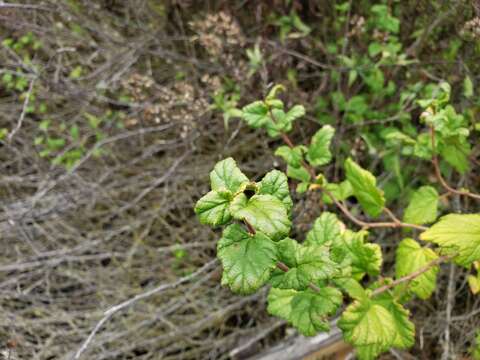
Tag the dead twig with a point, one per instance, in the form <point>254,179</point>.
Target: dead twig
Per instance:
<point>24,110</point>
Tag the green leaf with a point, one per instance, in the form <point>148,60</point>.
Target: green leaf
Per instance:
<point>412,257</point>
<point>281,122</point>
<point>212,209</point>
<point>374,49</point>
<point>55,143</point>
<point>367,323</point>
<point>474,283</point>
<point>276,89</point>
<point>374,326</point>
<point>264,212</point>
<point>318,152</point>
<point>295,113</point>
<point>363,257</point>
<point>256,114</point>
<point>306,310</point>
<point>455,151</point>
<point>457,233</point>
<point>339,191</point>
<point>423,205</point>
<point>299,173</point>
<point>365,188</point>
<point>352,287</point>
<point>292,157</point>
<point>302,187</point>
<point>247,260</point>
<point>227,176</point>
<point>276,183</point>
<point>405,329</point>
<point>76,72</point>
<point>307,264</point>
<point>467,87</point>
<point>325,231</point>
<point>383,20</point>
<point>476,348</point>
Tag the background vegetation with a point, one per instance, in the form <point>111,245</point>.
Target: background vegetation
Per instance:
<point>112,113</point>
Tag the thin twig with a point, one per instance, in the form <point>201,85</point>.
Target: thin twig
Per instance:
<point>22,6</point>
<point>24,111</point>
<point>450,300</point>
<point>370,225</point>
<point>413,275</point>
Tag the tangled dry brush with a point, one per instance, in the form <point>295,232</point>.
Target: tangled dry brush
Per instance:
<point>134,80</point>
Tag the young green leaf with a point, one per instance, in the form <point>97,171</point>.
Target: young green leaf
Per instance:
<point>265,213</point>
<point>292,157</point>
<point>319,150</point>
<point>295,113</point>
<point>299,173</point>
<point>276,183</point>
<point>227,176</point>
<point>247,260</point>
<point>457,234</point>
<point>212,209</point>
<point>365,188</point>
<point>281,122</point>
<point>423,205</point>
<point>307,264</point>
<point>325,231</point>
<point>411,257</point>
<point>467,87</point>
<point>339,191</point>
<point>256,114</point>
<point>306,310</point>
<point>365,258</point>
<point>455,151</point>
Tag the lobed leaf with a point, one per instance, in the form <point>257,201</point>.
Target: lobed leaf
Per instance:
<point>423,205</point>
<point>247,260</point>
<point>265,213</point>
<point>319,150</point>
<point>305,310</point>
<point>365,188</point>
<point>212,209</point>
<point>364,258</point>
<point>276,183</point>
<point>256,114</point>
<point>307,264</point>
<point>459,234</point>
<point>227,176</point>
<point>373,326</point>
<point>292,156</point>
<point>299,173</point>
<point>411,257</point>
<point>325,231</point>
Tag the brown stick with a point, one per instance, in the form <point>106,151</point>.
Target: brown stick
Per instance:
<point>413,275</point>
<point>369,225</point>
